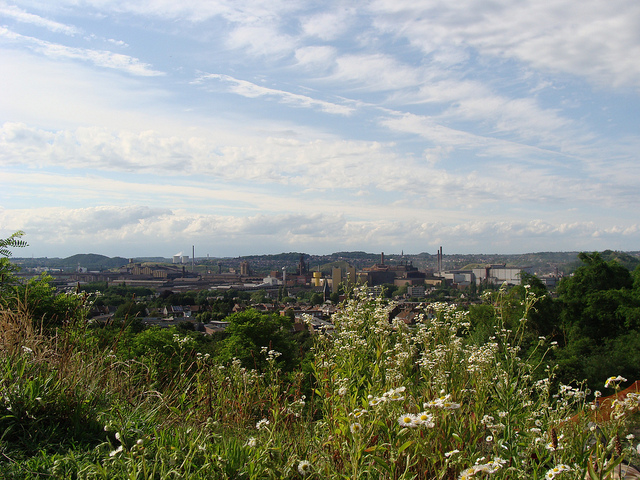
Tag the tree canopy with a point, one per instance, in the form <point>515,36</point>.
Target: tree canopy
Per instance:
<point>250,332</point>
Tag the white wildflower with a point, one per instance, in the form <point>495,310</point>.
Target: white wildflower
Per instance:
<point>557,470</point>
<point>613,381</point>
<point>115,452</point>
<point>407,420</point>
<point>304,467</point>
<point>252,442</point>
<point>425,419</point>
<point>262,423</point>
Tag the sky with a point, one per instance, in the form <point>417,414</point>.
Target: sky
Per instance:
<point>239,127</point>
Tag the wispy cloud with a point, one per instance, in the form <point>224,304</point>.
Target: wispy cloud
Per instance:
<point>328,166</point>
<point>252,90</point>
<point>329,25</point>
<point>22,16</point>
<point>377,72</point>
<point>599,42</point>
<point>100,58</point>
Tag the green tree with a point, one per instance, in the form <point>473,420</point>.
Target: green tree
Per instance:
<point>37,298</point>
<point>250,332</point>
<point>259,296</point>
<point>130,309</point>
<point>46,306</point>
<point>316,299</point>
<point>595,297</point>
<point>600,318</point>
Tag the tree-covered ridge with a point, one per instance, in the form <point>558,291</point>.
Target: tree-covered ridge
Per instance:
<point>91,261</point>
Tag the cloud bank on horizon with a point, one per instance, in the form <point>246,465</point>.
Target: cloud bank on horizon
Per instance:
<point>247,127</point>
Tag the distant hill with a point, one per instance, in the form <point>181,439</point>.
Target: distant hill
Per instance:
<point>90,261</point>
<point>623,258</point>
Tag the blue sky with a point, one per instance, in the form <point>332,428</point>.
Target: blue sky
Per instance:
<point>252,126</point>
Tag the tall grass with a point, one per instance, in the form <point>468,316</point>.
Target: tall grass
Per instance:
<point>388,401</point>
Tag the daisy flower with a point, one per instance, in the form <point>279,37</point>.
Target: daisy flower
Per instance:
<point>304,467</point>
<point>613,381</point>
<point>425,419</point>
<point>407,420</point>
<point>262,423</point>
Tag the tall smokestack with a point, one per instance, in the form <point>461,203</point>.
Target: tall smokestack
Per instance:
<point>193,258</point>
<point>382,258</point>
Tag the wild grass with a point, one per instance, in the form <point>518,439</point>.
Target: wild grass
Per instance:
<point>387,401</point>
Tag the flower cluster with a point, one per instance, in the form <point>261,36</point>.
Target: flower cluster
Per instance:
<point>182,341</point>
<point>410,420</point>
<point>489,467</point>
<point>271,354</point>
<point>556,470</point>
<point>614,381</point>
<point>622,406</point>
<point>393,395</point>
<point>443,402</point>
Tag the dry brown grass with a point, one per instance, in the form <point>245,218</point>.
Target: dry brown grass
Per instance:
<point>17,329</point>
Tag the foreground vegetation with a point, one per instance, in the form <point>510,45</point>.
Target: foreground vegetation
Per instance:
<point>459,395</point>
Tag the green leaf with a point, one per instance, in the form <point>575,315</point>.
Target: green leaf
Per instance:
<point>383,463</point>
<point>405,445</point>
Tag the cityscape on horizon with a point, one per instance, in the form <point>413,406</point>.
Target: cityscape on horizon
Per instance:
<point>394,256</point>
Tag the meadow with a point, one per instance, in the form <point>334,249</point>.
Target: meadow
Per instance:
<point>446,398</point>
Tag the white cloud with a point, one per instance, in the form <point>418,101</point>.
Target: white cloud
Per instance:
<point>594,39</point>
<point>328,25</point>
<point>251,90</point>
<point>141,230</point>
<point>118,43</point>
<point>261,40</point>
<point>339,166</point>
<point>100,58</point>
<point>236,11</point>
<point>30,18</point>
<point>63,94</point>
<point>135,225</point>
<point>376,72</point>
<point>316,58</point>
